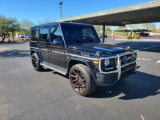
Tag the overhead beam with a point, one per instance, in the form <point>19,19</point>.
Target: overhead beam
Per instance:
<point>139,13</point>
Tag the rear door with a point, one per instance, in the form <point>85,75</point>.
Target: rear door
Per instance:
<point>43,42</point>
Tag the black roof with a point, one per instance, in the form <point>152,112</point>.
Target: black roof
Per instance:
<point>56,23</point>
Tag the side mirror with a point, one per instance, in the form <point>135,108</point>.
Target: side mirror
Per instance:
<point>58,42</point>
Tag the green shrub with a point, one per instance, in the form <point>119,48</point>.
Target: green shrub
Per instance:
<point>133,35</point>
<point>136,36</point>
<point>128,37</point>
<point>129,34</point>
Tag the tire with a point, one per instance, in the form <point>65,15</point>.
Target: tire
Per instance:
<point>81,80</point>
<point>36,62</point>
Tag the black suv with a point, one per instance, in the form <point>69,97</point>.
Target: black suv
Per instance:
<point>74,50</point>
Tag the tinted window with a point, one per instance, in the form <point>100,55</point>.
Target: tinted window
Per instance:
<point>43,34</point>
<point>55,33</point>
<point>77,33</point>
<point>34,34</point>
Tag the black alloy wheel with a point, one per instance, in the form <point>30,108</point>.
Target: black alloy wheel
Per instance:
<point>78,81</point>
<point>81,80</point>
<point>36,62</point>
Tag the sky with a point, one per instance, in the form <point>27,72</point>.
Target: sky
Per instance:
<point>40,10</point>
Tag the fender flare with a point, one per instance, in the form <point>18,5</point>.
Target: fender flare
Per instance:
<point>38,53</point>
<point>84,61</point>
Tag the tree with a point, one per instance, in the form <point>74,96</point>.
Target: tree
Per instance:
<point>134,26</point>
<point>149,26</point>
<point>121,28</point>
<point>15,26</point>
<point>107,28</point>
<point>4,27</point>
<point>98,28</point>
<point>25,25</point>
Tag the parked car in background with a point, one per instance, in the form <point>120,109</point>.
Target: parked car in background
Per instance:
<point>24,36</point>
<point>144,34</point>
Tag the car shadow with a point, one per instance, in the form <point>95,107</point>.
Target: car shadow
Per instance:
<point>47,70</point>
<point>137,86</point>
<point>14,53</point>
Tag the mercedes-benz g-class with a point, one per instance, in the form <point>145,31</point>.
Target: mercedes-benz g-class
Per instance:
<point>75,50</point>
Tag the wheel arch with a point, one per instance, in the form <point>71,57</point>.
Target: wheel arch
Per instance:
<point>37,52</point>
<point>75,61</point>
<point>31,52</point>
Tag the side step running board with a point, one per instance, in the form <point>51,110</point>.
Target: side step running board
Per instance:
<point>55,69</point>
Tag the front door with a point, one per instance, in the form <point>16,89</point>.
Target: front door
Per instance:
<point>56,52</point>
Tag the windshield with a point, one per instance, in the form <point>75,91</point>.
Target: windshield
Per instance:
<point>78,33</point>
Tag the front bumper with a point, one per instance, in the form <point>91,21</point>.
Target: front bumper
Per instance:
<point>113,78</point>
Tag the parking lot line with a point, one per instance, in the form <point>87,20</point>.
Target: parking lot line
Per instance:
<point>142,117</point>
<point>144,59</point>
<point>158,61</point>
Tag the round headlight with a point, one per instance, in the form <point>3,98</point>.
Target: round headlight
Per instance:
<point>106,62</point>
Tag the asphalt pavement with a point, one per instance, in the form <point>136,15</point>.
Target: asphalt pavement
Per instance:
<point>29,95</point>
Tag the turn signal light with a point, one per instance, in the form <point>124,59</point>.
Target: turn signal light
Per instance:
<point>95,62</point>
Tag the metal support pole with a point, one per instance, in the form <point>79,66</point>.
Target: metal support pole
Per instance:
<point>60,6</point>
<point>103,35</point>
<point>61,11</point>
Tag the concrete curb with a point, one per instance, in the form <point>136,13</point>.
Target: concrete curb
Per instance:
<point>137,40</point>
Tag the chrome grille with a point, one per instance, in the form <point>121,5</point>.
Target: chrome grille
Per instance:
<point>120,63</point>
<point>126,59</point>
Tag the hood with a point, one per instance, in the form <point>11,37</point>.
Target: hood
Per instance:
<point>99,49</point>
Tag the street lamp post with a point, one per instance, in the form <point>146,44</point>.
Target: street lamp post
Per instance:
<point>60,6</point>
